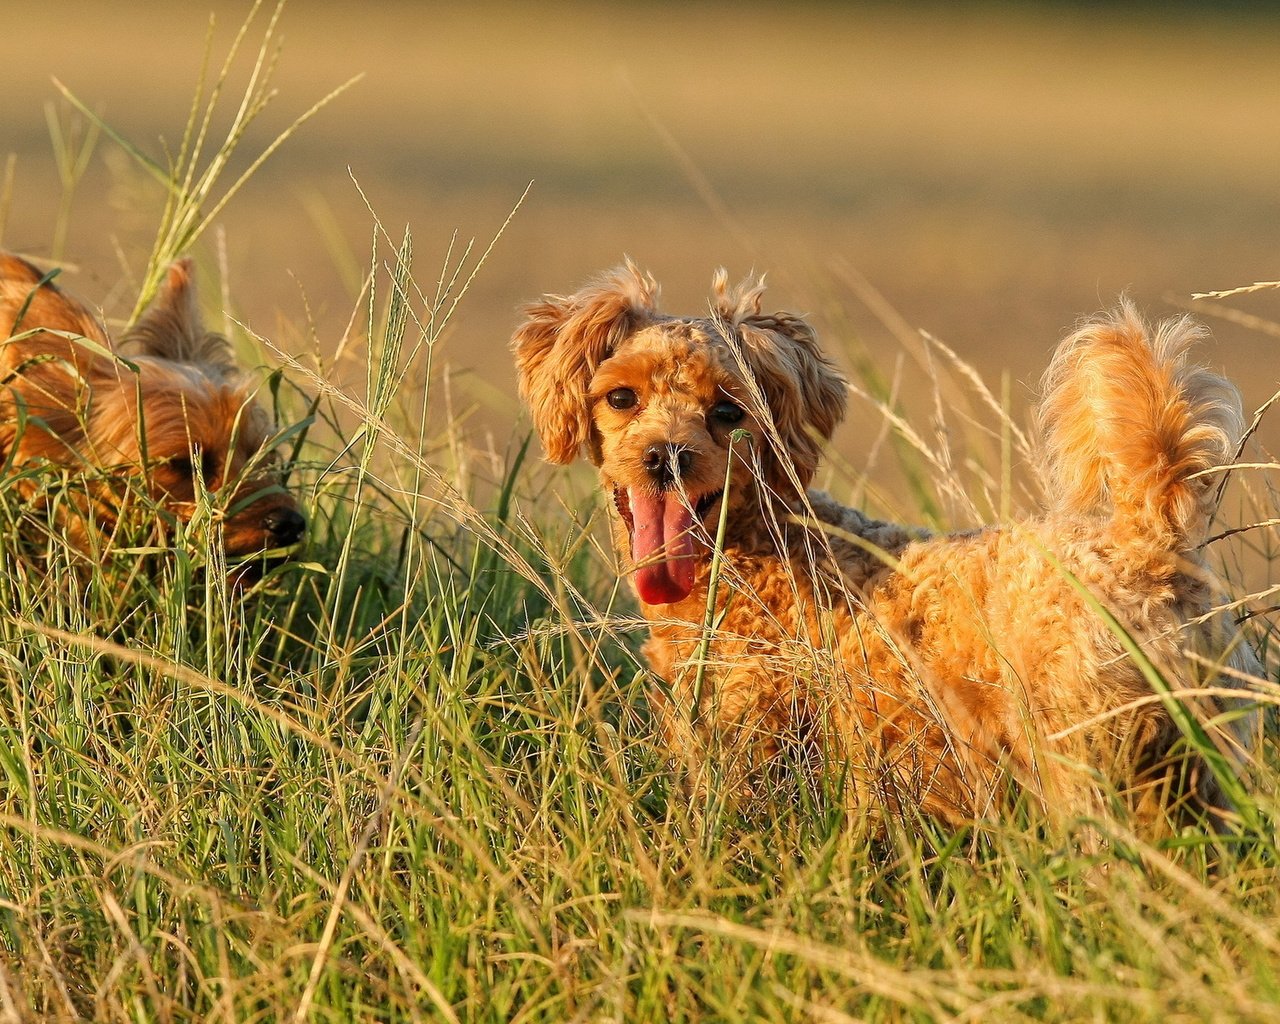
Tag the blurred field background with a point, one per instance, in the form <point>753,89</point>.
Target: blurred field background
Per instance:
<point>993,171</point>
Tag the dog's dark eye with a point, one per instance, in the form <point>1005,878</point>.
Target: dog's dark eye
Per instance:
<point>621,398</point>
<point>182,465</point>
<point>727,412</point>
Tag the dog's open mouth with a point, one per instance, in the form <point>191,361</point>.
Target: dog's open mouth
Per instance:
<point>664,541</point>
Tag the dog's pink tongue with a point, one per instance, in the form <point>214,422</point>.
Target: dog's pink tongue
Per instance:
<point>662,542</point>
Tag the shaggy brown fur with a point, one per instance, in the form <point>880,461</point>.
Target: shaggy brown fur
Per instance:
<point>933,670</point>
<point>166,402</point>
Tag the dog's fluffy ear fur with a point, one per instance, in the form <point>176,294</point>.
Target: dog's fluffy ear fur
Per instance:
<point>805,394</point>
<point>23,306</point>
<point>171,327</point>
<point>561,343</point>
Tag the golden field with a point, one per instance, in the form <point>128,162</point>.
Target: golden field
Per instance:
<point>992,173</point>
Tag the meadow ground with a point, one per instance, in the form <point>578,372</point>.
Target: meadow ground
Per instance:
<point>412,776</point>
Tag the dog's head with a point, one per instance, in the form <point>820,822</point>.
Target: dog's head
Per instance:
<point>682,415</point>
<point>169,408</point>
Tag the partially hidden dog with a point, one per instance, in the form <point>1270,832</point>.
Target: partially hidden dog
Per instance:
<point>164,408</point>
<point>939,674</point>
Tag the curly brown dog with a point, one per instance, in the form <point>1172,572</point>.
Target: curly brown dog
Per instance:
<point>939,673</point>
<point>165,405</point>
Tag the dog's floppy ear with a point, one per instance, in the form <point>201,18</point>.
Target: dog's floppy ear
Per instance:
<point>805,394</point>
<point>171,327</point>
<point>24,306</point>
<point>561,343</point>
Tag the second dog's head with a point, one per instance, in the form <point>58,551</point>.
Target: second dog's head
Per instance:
<point>671,409</point>
<point>165,405</point>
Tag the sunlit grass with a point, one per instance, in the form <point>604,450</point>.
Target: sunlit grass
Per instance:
<point>412,777</point>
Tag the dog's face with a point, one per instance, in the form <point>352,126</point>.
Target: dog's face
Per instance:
<point>178,416</point>
<point>194,430</point>
<point>664,410</point>
<point>683,417</point>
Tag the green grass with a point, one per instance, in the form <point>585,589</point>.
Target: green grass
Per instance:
<point>411,776</point>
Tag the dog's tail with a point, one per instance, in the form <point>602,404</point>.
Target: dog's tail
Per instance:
<point>1130,431</point>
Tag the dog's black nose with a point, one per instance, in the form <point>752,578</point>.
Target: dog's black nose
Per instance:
<point>667,463</point>
<point>286,525</point>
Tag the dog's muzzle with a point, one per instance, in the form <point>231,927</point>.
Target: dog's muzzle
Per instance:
<point>285,526</point>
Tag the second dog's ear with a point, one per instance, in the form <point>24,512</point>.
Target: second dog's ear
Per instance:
<point>171,327</point>
<point>562,342</point>
<point>26,304</point>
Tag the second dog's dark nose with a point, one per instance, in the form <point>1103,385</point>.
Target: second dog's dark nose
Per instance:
<point>667,462</point>
<point>286,525</point>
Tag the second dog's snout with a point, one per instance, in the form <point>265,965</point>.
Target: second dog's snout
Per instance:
<point>285,525</point>
<point>667,462</point>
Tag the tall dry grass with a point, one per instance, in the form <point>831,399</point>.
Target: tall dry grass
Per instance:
<point>411,776</point>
